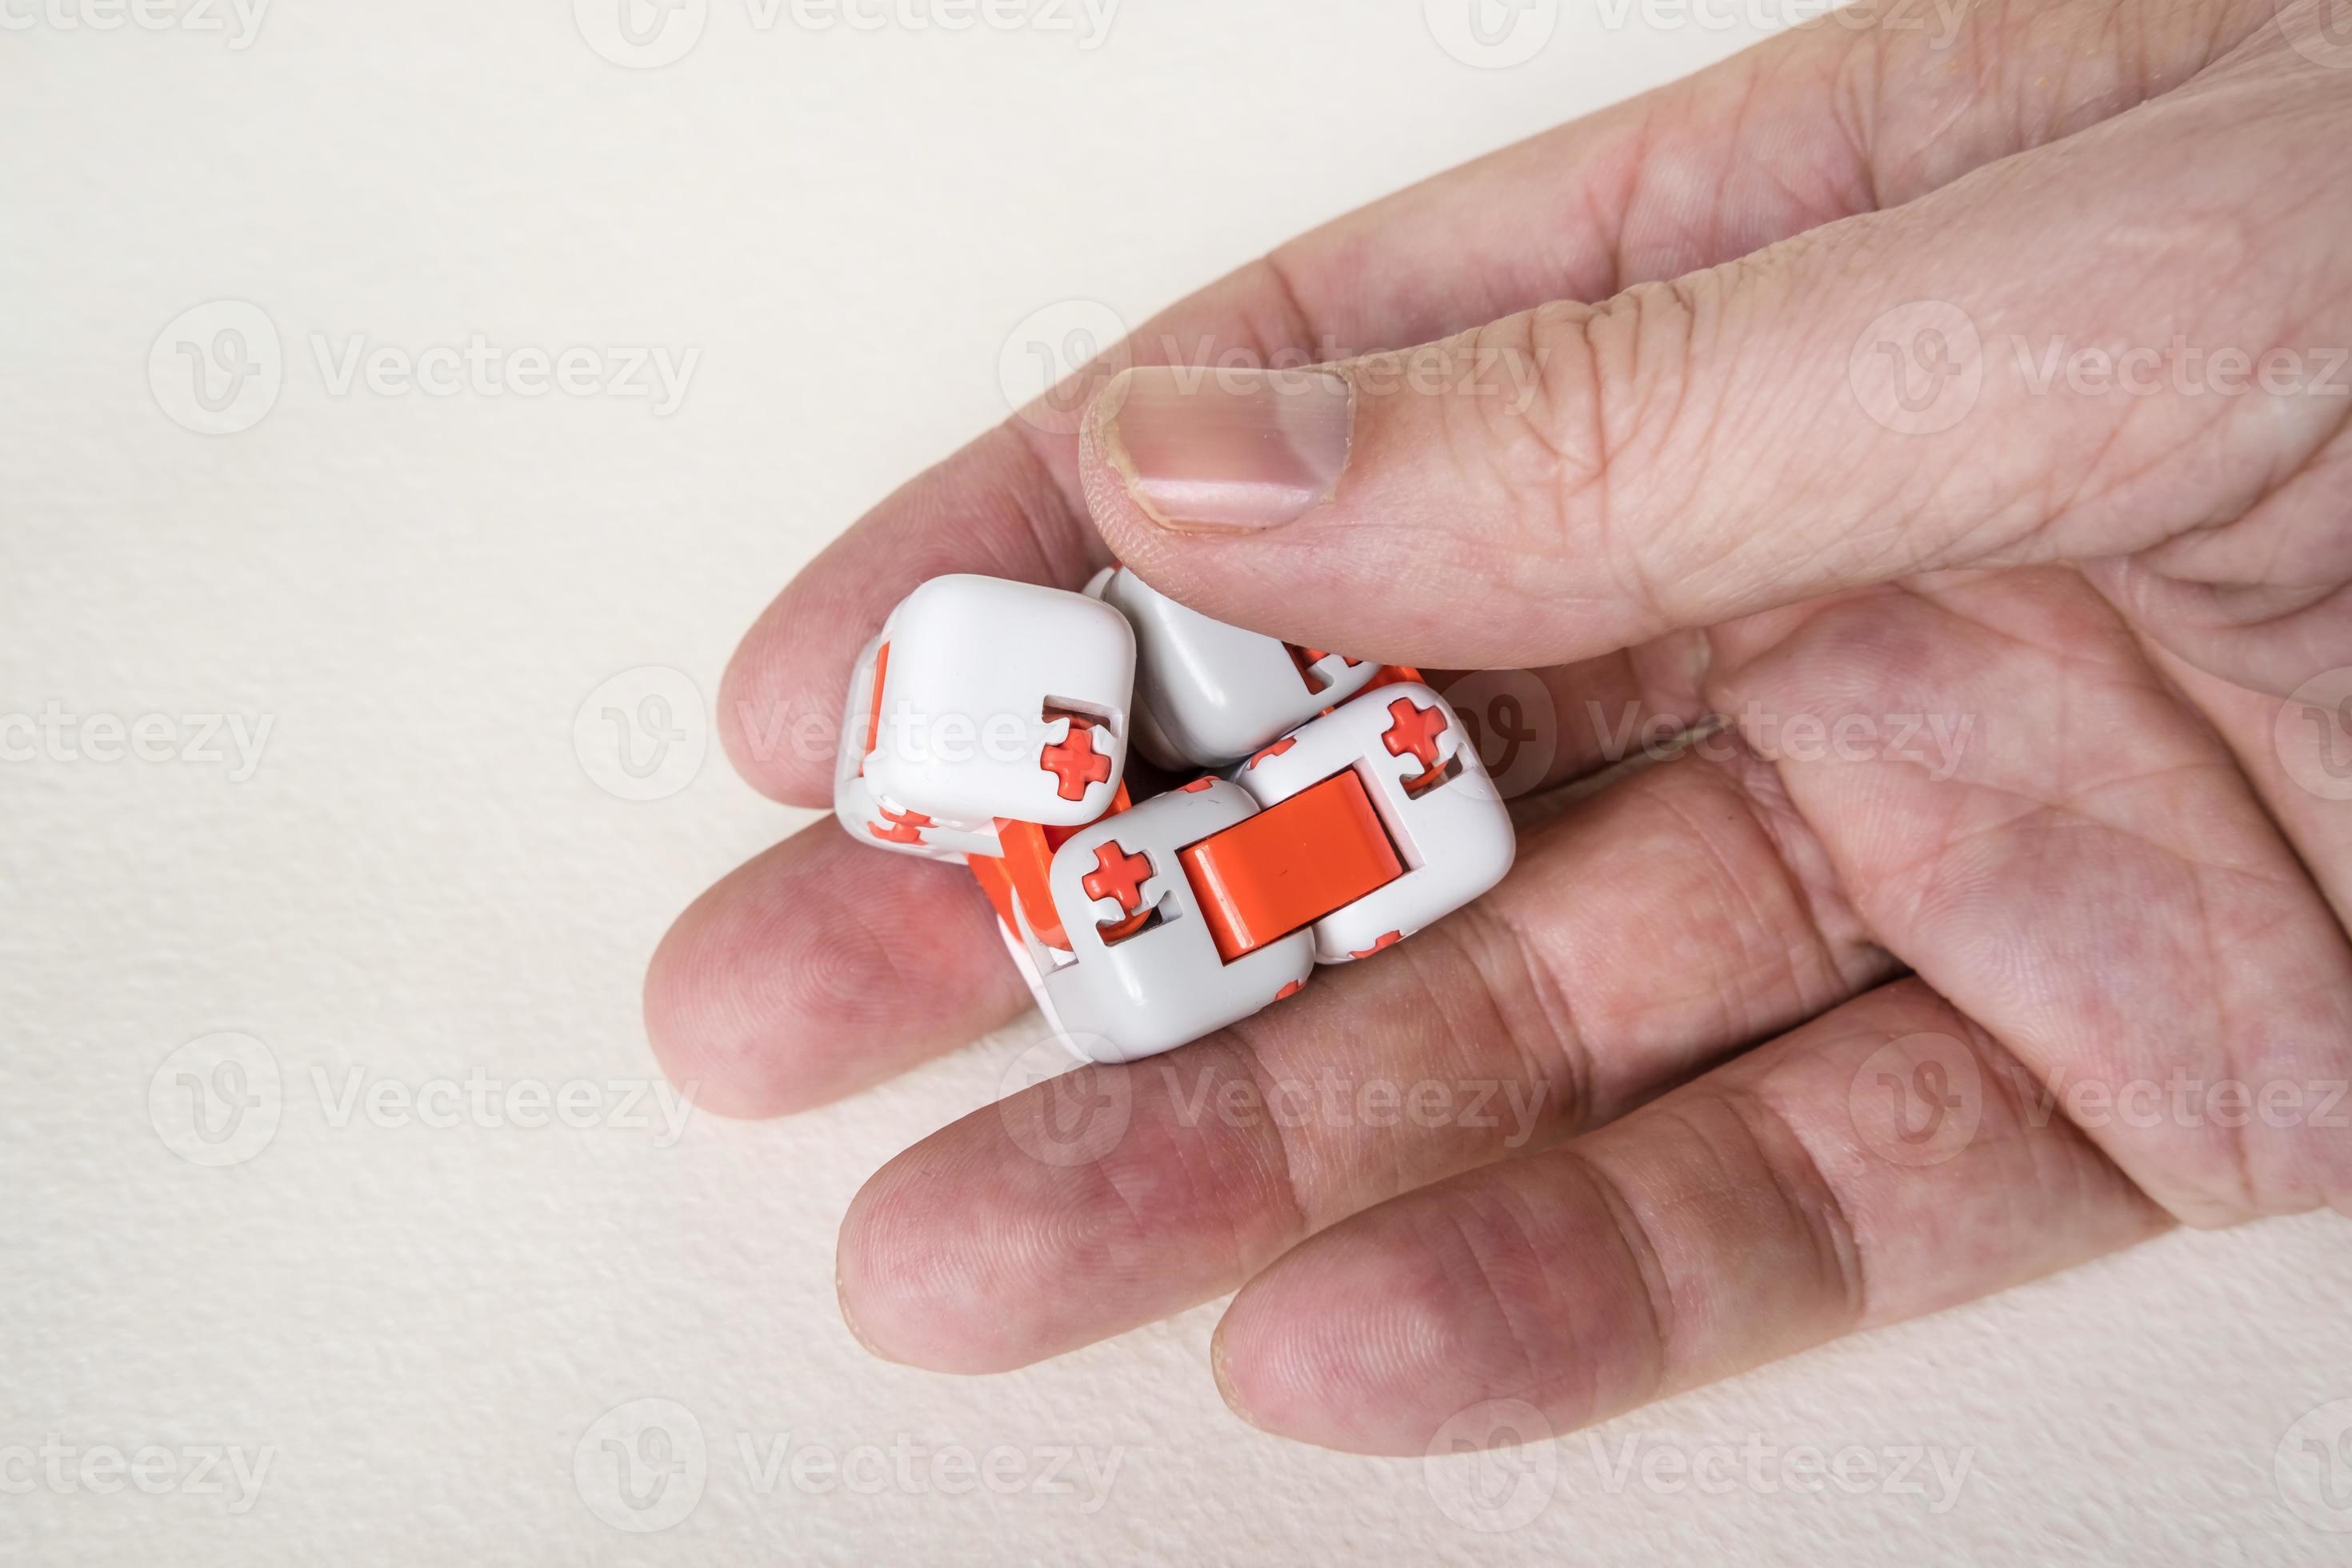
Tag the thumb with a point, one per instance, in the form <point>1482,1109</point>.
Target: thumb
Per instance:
<point>1864,403</point>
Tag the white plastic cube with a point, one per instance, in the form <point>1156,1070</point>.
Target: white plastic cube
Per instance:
<point>1431,791</point>
<point>1165,984</point>
<point>1208,694</point>
<point>1001,699</point>
<point>884,823</point>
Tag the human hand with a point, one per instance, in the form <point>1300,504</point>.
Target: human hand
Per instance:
<point>1770,1041</point>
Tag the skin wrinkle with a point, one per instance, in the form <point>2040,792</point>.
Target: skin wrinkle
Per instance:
<point>1818,897</point>
<point>1604,223</point>
<point>2273,487</point>
<point>1282,1170</point>
<point>1289,301</point>
<point>2194,1206</point>
<point>1505,1208</point>
<point>1674,1314</point>
<point>1069,521</point>
<point>1562,1068</point>
<point>1582,335</point>
<point>1778,176</point>
<point>1685,320</point>
<point>1931,860</point>
<point>2225,736</point>
<point>1662,1309</point>
<point>1857,110</point>
<point>2099,660</point>
<point>2234,1141</point>
<point>1137,1210</point>
<point>1049,531</point>
<point>1306,1219</point>
<point>1681,105</point>
<point>1467,442</point>
<point>2009,1079</point>
<point>1729,883</point>
<point>1822,1219</point>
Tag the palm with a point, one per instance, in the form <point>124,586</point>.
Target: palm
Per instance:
<point>2091,873</point>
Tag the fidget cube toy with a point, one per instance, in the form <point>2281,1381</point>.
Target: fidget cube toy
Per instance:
<point>990,721</point>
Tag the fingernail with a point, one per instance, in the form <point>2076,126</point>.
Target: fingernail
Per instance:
<point>1207,448</point>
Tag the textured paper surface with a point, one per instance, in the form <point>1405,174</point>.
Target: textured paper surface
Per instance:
<point>421,881</point>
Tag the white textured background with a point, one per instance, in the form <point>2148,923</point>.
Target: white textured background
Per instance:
<point>422,879</point>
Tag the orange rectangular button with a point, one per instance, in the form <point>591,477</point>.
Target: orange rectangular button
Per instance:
<point>1291,865</point>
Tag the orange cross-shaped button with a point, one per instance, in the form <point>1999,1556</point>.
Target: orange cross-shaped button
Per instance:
<point>1076,762</point>
<point>1415,730</point>
<point>1118,875</point>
